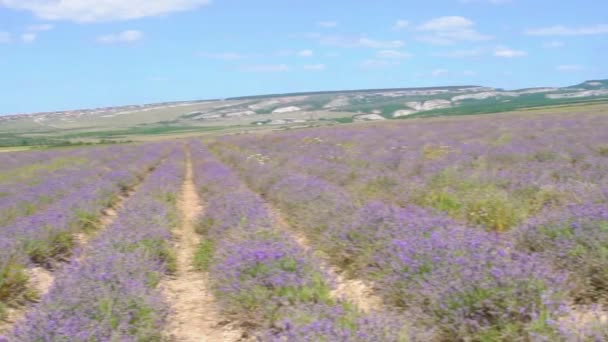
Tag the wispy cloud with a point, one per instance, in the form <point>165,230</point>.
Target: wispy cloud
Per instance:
<point>327,24</point>
<point>305,53</point>
<point>377,64</point>
<point>505,52</point>
<point>470,53</point>
<point>380,44</point>
<point>225,56</point>
<point>450,30</point>
<point>28,37</point>
<point>266,68</point>
<point>439,72</point>
<point>353,41</point>
<point>401,25</point>
<point>553,44</point>
<point>101,10</point>
<point>40,28</point>
<point>5,37</point>
<point>393,54</point>
<point>315,67</point>
<point>570,68</point>
<point>561,30</point>
<point>129,36</point>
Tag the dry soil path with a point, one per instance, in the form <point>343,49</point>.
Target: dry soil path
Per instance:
<point>195,316</point>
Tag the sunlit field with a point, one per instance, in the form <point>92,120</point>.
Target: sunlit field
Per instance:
<point>485,228</point>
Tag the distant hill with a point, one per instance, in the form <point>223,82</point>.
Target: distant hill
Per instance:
<point>278,110</point>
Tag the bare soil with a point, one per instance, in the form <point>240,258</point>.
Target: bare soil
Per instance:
<point>194,315</point>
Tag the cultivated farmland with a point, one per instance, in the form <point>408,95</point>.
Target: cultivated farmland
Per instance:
<point>483,228</point>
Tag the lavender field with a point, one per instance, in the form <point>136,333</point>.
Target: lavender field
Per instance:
<point>487,228</point>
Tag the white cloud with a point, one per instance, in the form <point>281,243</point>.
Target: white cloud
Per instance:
<point>446,24</point>
<point>376,64</point>
<point>379,44</point>
<point>401,24</point>
<point>439,72</point>
<point>461,53</point>
<point>226,56</point>
<point>266,68</point>
<point>305,53</point>
<point>509,53</point>
<point>561,30</point>
<point>40,28</point>
<point>5,37</point>
<point>28,37</point>
<point>570,68</point>
<point>101,10</point>
<point>450,30</point>
<point>355,42</point>
<point>315,67</point>
<point>553,44</point>
<point>327,24</point>
<point>393,54</point>
<point>129,36</point>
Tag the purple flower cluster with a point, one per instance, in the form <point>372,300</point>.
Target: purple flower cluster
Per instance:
<point>415,207</point>
<point>255,267</point>
<point>340,323</point>
<point>107,292</point>
<point>31,192</point>
<point>47,234</point>
<point>574,239</point>
<point>262,275</point>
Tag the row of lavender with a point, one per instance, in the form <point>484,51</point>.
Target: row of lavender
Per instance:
<point>514,167</point>
<point>355,193</point>
<point>263,277</point>
<point>107,292</point>
<point>17,161</point>
<point>29,194</point>
<point>48,234</point>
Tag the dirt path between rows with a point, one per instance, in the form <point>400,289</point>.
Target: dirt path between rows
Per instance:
<point>194,315</point>
<point>355,291</point>
<point>41,279</point>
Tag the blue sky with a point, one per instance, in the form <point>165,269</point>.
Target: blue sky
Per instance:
<point>64,54</point>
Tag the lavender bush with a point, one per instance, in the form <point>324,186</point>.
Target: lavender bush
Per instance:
<point>576,240</point>
<point>107,292</point>
<point>416,207</point>
<point>261,275</point>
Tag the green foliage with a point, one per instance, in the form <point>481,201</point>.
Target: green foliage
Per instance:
<point>38,169</point>
<point>203,225</point>
<point>345,120</point>
<point>484,204</point>
<point>377,188</point>
<point>544,156</point>
<point>13,281</point>
<point>493,209</point>
<point>86,221</point>
<point>56,244</point>
<point>204,255</point>
<point>498,105</point>
<point>258,298</point>
<point>144,319</point>
<point>602,151</point>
